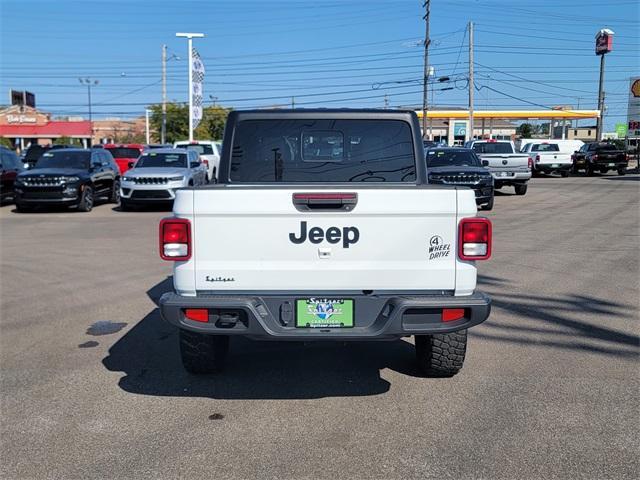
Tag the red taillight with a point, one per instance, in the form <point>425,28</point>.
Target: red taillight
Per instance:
<point>594,158</point>
<point>197,314</point>
<point>206,162</point>
<point>538,158</point>
<point>530,163</point>
<point>474,239</point>
<point>175,239</point>
<point>451,314</point>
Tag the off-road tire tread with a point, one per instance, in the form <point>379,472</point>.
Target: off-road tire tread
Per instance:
<point>442,354</point>
<point>201,353</point>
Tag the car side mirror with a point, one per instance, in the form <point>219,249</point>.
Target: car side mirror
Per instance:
<point>131,164</point>
<point>194,164</point>
<point>485,163</point>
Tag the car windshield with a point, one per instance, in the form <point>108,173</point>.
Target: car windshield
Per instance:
<point>447,158</point>
<point>124,152</point>
<point>156,159</point>
<point>328,150</point>
<point>64,159</point>
<point>545,147</point>
<point>492,147</point>
<point>201,149</point>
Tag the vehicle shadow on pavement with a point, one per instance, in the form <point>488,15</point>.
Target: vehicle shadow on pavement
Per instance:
<point>558,321</point>
<point>623,179</point>
<point>149,356</point>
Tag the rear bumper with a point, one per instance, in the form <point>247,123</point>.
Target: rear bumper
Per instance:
<point>376,317</point>
<point>552,167</point>
<point>506,177</point>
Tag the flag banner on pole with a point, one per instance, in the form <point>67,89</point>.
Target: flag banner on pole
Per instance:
<point>196,93</point>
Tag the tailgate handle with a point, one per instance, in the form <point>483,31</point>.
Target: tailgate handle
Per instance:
<point>328,201</point>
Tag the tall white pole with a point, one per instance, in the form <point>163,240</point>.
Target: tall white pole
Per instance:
<point>471,82</point>
<point>147,126</point>
<point>190,89</point>
<point>190,37</point>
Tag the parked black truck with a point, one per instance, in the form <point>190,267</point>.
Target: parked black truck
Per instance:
<point>599,157</point>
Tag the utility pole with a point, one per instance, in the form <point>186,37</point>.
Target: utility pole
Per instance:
<point>190,37</point>
<point>425,80</point>
<point>293,103</point>
<point>163,129</point>
<point>386,101</point>
<point>471,82</point>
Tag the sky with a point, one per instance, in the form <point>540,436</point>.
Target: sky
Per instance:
<point>334,53</point>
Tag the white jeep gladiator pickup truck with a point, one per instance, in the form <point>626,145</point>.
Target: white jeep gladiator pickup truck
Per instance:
<point>506,165</point>
<point>323,227</point>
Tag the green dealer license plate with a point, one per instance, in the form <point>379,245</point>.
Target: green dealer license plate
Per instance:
<point>324,313</point>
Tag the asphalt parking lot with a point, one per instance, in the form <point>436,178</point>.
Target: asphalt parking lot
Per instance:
<point>549,389</point>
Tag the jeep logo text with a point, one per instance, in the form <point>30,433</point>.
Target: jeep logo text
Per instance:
<point>348,235</point>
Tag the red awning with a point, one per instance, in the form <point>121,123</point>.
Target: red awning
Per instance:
<point>50,130</point>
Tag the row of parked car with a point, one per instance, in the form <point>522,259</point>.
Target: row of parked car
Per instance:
<point>488,165</point>
<point>129,175</point>
<point>135,174</point>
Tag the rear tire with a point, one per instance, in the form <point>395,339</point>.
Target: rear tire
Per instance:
<point>442,354</point>
<point>603,171</point>
<point>86,202</point>
<point>564,173</point>
<point>203,353</point>
<point>520,189</point>
<point>622,171</point>
<point>588,170</point>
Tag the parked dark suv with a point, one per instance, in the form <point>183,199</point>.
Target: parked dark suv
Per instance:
<point>10,167</point>
<point>461,166</point>
<point>71,176</point>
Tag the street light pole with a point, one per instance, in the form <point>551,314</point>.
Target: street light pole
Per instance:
<point>190,37</point>
<point>89,82</point>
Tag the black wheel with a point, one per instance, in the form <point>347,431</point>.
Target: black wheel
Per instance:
<point>442,354</point>
<point>588,170</point>
<point>520,189</point>
<point>488,205</point>
<point>622,171</point>
<point>574,169</point>
<point>125,205</point>
<point>86,202</point>
<point>203,353</point>
<point>22,208</point>
<point>603,171</point>
<point>564,173</point>
<point>115,192</point>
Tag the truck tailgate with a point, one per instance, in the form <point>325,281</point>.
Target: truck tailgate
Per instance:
<point>255,238</point>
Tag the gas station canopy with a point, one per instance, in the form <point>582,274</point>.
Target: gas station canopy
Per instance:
<point>513,114</point>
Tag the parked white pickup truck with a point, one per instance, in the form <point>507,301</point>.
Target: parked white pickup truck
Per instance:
<point>546,157</point>
<point>323,227</point>
<point>506,166</point>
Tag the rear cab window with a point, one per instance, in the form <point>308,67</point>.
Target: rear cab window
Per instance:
<point>323,150</point>
<point>492,147</point>
<point>545,147</point>
<point>200,149</point>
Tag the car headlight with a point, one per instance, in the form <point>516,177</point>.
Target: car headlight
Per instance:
<point>127,179</point>
<point>175,179</point>
<point>70,179</point>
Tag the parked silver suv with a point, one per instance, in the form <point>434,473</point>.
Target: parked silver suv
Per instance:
<point>158,173</point>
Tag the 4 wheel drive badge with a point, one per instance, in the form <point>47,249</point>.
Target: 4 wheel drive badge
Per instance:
<point>435,241</point>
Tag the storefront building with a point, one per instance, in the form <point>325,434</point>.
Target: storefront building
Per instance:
<point>23,126</point>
